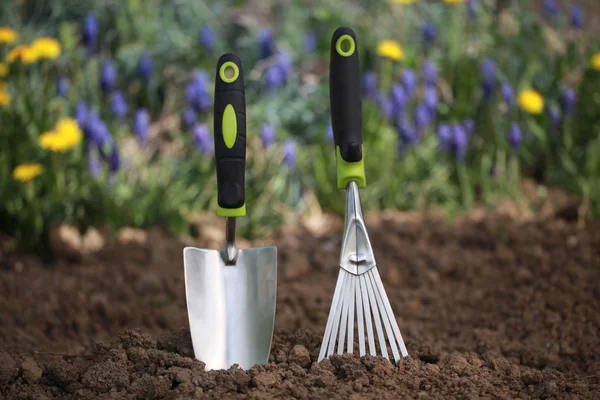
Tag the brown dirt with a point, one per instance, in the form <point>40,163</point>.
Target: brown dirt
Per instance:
<point>489,307</point>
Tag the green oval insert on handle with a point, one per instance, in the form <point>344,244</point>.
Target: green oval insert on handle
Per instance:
<point>229,126</point>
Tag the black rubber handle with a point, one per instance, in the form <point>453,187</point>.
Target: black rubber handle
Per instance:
<point>230,136</point>
<point>345,94</point>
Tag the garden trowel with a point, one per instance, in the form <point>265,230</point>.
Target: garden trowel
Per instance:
<point>231,293</point>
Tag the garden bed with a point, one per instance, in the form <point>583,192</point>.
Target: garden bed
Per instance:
<point>489,307</point>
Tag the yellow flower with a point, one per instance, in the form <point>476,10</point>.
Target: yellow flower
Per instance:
<point>596,61</point>
<point>403,1</point>
<point>26,172</point>
<point>47,47</point>
<point>4,98</point>
<point>65,136</point>
<point>3,70</point>
<point>26,54</point>
<point>531,101</point>
<point>8,35</point>
<point>390,49</point>
<point>452,2</point>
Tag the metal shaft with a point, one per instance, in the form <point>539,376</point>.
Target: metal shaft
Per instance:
<point>230,252</point>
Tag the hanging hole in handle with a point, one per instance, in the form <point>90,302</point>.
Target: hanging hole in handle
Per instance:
<point>229,72</point>
<point>345,46</point>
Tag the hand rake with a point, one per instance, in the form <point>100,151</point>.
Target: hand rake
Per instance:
<point>359,290</point>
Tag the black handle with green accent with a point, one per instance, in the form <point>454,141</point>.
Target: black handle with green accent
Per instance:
<point>230,136</point>
<point>345,96</point>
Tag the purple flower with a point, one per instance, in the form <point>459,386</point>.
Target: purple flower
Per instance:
<point>422,117</point>
<point>114,161</point>
<point>62,86</point>
<point>429,32</point>
<point>409,81</point>
<point>385,105</point>
<point>369,84</point>
<point>460,142</point>
<point>310,42</point>
<point>488,69</point>
<point>508,95</point>
<point>189,116</point>
<point>97,131</point>
<point>408,133</point>
<point>290,153</point>
<point>444,134</point>
<point>119,105</point>
<point>197,92</point>
<point>469,126</point>
<point>267,135</point>
<point>569,100</point>
<point>203,139</point>
<point>555,118</point>
<point>430,99</point>
<point>329,133</point>
<point>266,43</point>
<point>398,100</point>
<point>285,62</point>
<point>108,77</point>
<point>141,124</point>
<point>94,165</point>
<point>515,136</point>
<point>551,8</point>
<point>576,17</point>
<point>207,38</point>
<point>430,73</point>
<point>145,66</point>
<point>472,6</point>
<point>90,32</point>
<point>81,114</point>
<point>274,77</point>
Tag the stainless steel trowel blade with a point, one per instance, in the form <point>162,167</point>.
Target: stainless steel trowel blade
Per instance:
<point>231,308</point>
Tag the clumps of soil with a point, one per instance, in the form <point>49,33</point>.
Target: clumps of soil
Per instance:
<point>137,365</point>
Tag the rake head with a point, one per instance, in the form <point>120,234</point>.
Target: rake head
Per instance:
<point>362,298</point>
<point>359,296</point>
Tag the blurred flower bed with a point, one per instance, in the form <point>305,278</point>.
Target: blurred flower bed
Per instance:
<point>105,109</point>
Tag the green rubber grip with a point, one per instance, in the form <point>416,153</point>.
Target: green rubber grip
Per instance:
<point>230,136</point>
<point>345,96</point>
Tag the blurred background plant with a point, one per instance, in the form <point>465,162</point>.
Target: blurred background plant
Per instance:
<point>105,107</point>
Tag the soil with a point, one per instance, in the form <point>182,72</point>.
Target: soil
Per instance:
<point>489,307</point>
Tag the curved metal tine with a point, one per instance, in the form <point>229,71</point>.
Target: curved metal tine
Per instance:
<point>385,317</point>
<point>336,295</point>
<point>350,300</point>
<point>369,322</point>
<point>359,316</point>
<point>377,319</point>
<point>338,310</point>
<point>342,335</point>
<point>390,313</point>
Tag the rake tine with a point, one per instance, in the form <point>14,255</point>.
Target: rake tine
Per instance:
<point>385,317</point>
<point>336,294</point>
<point>377,319</point>
<point>365,297</point>
<point>359,315</point>
<point>390,313</point>
<point>336,317</point>
<point>342,336</point>
<point>351,315</point>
